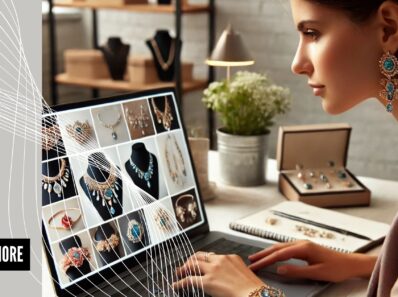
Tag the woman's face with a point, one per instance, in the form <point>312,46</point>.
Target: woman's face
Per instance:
<point>339,57</point>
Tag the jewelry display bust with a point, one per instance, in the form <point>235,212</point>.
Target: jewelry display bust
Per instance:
<point>57,181</point>
<point>142,167</point>
<point>74,272</point>
<point>103,234</point>
<point>116,54</point>
<point>164,49</point>
<point>103,186</point>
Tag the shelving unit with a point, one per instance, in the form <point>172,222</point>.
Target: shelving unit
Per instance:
<point>177,9</point>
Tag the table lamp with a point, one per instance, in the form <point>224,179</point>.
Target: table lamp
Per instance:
<point>230,51</point>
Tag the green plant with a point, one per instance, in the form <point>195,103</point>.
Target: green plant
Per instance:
<point>247,103</point>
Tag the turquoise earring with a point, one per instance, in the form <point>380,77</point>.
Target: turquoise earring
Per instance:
<point>389,68</point>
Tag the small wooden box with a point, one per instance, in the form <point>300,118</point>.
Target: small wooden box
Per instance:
<point>316,155</point>
<point>142,70</point>
<point>85,63</point>
<point>113,2</point>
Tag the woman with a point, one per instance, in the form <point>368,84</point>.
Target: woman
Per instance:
<point>344,51</point>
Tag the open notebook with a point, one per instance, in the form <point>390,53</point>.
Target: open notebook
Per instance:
<point>290,220</point>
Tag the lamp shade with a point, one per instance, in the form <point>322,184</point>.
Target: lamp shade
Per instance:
<point>230,50</point>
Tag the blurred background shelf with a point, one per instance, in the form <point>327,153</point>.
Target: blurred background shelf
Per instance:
<point>110,84</point>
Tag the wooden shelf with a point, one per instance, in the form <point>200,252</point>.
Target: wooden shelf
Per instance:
<point>110,84</point>
<point>151,8</point>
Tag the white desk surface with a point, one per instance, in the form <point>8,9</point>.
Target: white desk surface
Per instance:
<point>232,203</point>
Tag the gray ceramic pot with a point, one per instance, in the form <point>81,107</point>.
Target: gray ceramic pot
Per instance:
<point>242,159</point>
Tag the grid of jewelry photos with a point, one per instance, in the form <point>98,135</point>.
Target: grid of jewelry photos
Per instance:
<point>93,217</point>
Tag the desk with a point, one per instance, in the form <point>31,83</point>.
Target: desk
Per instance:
<point>235,202</point>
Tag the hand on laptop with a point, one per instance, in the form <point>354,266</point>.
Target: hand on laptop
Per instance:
<point>323,264</point>
<point>218,275</point>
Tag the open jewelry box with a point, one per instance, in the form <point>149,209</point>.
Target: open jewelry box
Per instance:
<point>312,162</point>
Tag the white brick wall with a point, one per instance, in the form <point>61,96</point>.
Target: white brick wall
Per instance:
<point>269,33</point>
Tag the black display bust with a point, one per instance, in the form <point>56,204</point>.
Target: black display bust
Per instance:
<point>74,272</point>
<point>164,49</point>
<point>116,53</point>
<point>52,168</point>
<point>141,158</point>
<point>104,232</point>
<point>100,174</point>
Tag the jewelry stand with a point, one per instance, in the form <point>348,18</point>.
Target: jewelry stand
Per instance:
<point>141,158</point>
<point>51,137</point>
<point>129,245</point>
<point>74,272</point>
<point>164,48</point>
<point>101,176</point>
<point>52,169</point>
<point>104,232</point>
<point>116,55</point>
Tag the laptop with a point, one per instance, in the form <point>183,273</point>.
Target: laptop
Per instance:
<point>121,206</point>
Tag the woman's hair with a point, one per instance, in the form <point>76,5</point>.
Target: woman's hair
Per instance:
<point>357,10</point>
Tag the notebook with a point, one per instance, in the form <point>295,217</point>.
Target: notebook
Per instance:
<point>292,220</point>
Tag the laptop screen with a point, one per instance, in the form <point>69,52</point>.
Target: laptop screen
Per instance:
<point>117,179</point>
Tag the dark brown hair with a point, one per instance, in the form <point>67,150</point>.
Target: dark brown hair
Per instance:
<point>357,10</point>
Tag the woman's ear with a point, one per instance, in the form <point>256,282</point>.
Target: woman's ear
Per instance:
<point>387,16</point>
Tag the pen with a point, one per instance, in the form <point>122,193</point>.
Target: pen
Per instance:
<point>331,228</point>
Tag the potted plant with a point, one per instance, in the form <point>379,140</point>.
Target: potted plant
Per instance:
<point>247,105</point>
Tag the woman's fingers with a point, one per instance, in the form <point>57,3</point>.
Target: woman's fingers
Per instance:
<point>270,250</point>
<point>192,267</point>
<point>189,281</point>
<point>299,251</point>
<point>299,271</point>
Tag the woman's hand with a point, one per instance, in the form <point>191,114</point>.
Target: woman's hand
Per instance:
<point>220,275</point>
<point>323,263</point>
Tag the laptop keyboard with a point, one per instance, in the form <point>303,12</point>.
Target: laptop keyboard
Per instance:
<point>129,286</point>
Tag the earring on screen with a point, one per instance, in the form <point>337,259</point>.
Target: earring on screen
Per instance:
<point>388,65</point>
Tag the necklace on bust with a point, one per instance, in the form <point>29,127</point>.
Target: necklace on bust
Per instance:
<point>164,64</point>
<point>165,117</point>
<point>147,175</point>
<point>175,160</point>
<point>111,125</point>
<point>140,121</point>
<point>104,190</point>
<point>57,182</point>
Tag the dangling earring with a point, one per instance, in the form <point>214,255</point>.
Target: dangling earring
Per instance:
<point>389,67</point>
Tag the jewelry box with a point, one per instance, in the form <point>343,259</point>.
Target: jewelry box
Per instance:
<point>113,2</point>
<point>85,63</point>
<point>312,161</point>
<point>142,70</point>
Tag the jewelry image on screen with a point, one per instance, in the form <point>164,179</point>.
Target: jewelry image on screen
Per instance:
<point>134,231</point>
<point>63,218</point>
<point>57,181</point>
<point>186,208</point>
<point>110,125</point>
<point>107,243</point>
<point>100,185</point>
<point>78,131</point>
<point>74,256</point>
<point>174,155</point>
<point>139,120</point>
<point>163,113</point>
<point>142,167</point>
<point>51,139</point>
